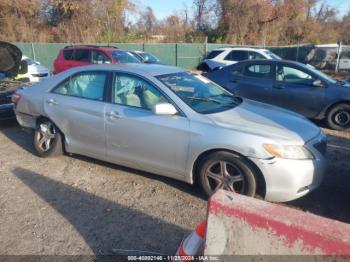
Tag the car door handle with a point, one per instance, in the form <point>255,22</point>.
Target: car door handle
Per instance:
<point>113,114</point>
<point>234,80</point>
<point>51,102</point>
<point>278,86</point>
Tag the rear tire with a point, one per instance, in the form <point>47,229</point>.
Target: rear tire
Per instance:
<point>338,117</point>
<point>224,170</point>
<point>47,140</point>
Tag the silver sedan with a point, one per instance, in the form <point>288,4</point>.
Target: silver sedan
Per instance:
<point>167,121</point>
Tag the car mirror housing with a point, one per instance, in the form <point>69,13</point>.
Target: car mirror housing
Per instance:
<point>165,109</point>
<point>318,83</point>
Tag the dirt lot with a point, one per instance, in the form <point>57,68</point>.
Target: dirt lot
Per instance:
<point>75,205</point>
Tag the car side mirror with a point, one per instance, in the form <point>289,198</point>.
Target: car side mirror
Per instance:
<point>164,109</point>
<point>318,83</point>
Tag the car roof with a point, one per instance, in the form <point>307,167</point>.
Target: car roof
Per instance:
<point>268,61</point>
<point>90,47</point>
<point>149,69</point>
<point>239,49</point>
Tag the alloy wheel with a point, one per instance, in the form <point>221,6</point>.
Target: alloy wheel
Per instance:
<point>47,134</point>
<point>225,175</point>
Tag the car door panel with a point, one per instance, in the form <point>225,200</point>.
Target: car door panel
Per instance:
<point>80,120</point>
<point>253,86</point>
<point>138,138</point>
<point>301,97</point>
<point>77,107</point>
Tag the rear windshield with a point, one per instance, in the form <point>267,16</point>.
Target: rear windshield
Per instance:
<point>214,53</point>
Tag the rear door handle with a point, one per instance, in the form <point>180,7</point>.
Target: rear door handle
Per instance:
<point>113,114</point>
<point>234,80</point>
<point>51,102</point>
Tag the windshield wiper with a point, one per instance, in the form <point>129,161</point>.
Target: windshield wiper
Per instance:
<point>234,100</point>
<point>205,99</point>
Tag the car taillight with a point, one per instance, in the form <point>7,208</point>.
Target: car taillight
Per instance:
<point>15,98</point>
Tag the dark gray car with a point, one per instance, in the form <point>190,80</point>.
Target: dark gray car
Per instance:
<point>291,85</point>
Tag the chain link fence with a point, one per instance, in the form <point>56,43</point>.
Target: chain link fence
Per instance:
<point>190,55</point>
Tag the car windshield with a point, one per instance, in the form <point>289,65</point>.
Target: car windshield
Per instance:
<point>148,57</point>
<point>202,95</point>
<point>272,55</point>
<point>322,75</point>
<point>124,57</point>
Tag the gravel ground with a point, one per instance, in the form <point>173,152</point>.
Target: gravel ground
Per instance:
<point>79,206</point>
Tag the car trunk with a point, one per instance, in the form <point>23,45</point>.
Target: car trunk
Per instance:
<point>10,64</point>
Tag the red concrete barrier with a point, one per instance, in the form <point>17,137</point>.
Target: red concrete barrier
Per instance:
<point>239,225</point>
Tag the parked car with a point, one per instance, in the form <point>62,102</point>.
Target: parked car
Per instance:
<point>291,85</point>
<point>36,71</point>
<point>10,66</point>
<point>73,56</point>
<point>164,120</point>
<point>146,57</point>
<point>344,61</point>
<point>222,57</point>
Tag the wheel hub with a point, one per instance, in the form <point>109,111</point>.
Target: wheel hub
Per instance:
<point>46,136</point>
<point>224,175</point>
<point>342,118</point>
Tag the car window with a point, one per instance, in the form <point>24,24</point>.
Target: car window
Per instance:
<point>237,56</point>
<point>148,57</point>
<point>88,85</point>
<point>272,55</point>
<point>345,55</point>
<point>292,75</point>
<point>214,54</point>
<point>133,91</point>
<point>82,55</point>
<point>258,71</point>
<point>68,54</point>
<point>256,55</point>
<point>99,57</point>
<point>124,57</point>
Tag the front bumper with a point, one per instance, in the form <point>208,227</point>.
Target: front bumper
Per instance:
<point>288,179</point>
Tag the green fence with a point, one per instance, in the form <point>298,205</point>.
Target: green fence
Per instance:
<point>180,54</point>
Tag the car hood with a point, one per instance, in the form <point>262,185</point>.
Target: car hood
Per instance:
<point>10,57</point>
<point>267,121</point>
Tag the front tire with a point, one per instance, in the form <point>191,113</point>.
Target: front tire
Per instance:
<point>47,140</point>
<point>224,170</point>
<point>338,117</point>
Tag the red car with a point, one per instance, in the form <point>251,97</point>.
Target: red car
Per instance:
<point>72,56</point>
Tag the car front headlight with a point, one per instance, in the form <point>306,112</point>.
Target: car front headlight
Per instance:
<point>288,152</point>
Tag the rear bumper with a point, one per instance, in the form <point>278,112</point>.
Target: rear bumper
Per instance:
<point>26,120</point>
